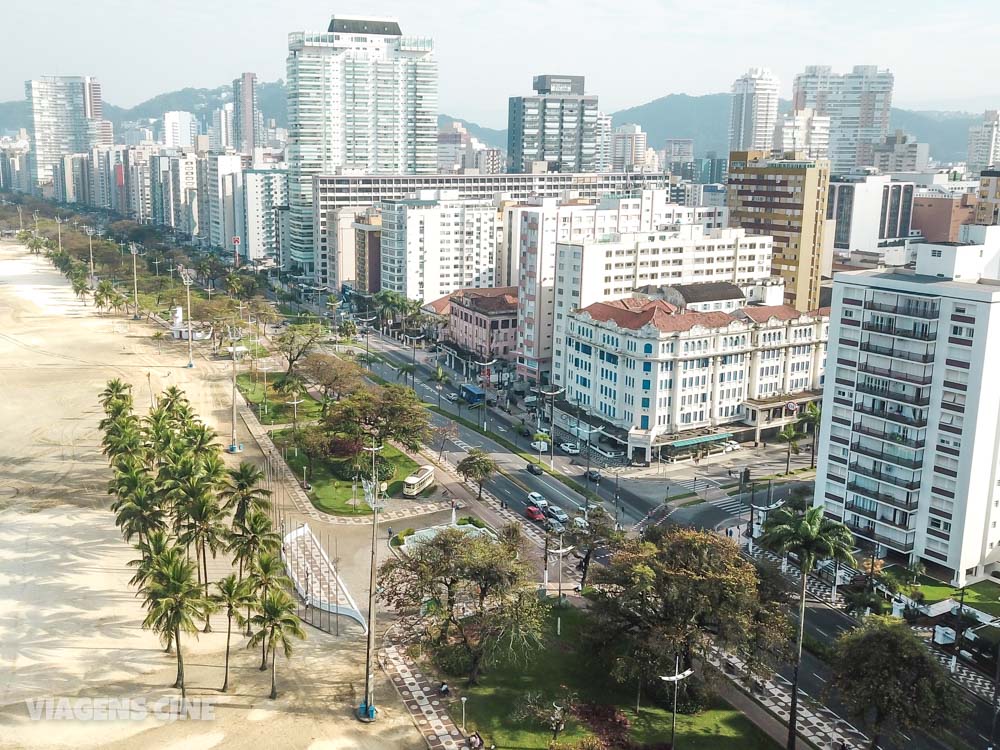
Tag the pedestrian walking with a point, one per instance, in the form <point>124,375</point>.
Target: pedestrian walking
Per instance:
<point>390,532</point>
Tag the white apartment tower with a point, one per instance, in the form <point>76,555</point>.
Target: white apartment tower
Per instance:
<point>265,194</point>
<point>66,118</point>
<point>436,243</point>
<point>858,105</point>
<point>753,111</point>
<point>221,134</point>
<point>910,456</point>
<point>803,131</point>
<point>628,148</point>
<point>361,97</point>
<point>984,143</point>
<point>224,199</point>
<point>179,129</point>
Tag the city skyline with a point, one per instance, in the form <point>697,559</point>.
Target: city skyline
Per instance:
<point>850,39</point>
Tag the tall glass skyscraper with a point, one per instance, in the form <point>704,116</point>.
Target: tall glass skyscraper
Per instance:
<point>361,97</point>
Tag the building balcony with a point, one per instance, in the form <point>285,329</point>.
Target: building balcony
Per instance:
<point>909,309</point>
<point>891,351</point>
<point>906,333</point>
<point>864,450</point>
<point>882,476</point>
<point>892,416</point>
<point>868,532</point>
<point>905,398</point>
<point>882,497</point>
<point>895,438</point>
<point>906,377</point>
<point>860,509</point>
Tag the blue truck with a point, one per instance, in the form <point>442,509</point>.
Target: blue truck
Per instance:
<point>472,394</point>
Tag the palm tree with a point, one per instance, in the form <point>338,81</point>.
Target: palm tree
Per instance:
<point>234,285</point>
<point>139,513</point>
<point>812,416</point>
<point>255,535</point>
<point>232,596</point>
<point>80,288</point>
<point>267,574</point>
<point>243,492</point>
<point>104,295</point>
<point>477,466</point>
<point>277,623</point>
<point>292,388</point>
<point>115,390</point>
<point>405,370</point>
<point>812,539</point>
<point>175,599</point>
<point>205,530</point>
<point>790,436</point>
<point>158,337</point>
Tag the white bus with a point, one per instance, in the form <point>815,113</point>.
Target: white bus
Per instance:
<point>418,481</point>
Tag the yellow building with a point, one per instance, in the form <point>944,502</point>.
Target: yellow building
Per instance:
<point>988,208</point>
<point>785,198</point>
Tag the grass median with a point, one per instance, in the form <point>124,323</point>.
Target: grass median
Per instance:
<point>279,410</point>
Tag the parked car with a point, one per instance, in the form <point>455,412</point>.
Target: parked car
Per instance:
<point>539,445</point>
<point>535,469</point>
<point>453,397</point>
<point>571,449</point>
<point>593,475</point>
<point>543,430</point>
<point>554,527</point>
<point>554,511</point>
<point>533,513</point>
<point>524,431</point>
<point>538,500</point>
<point>581,523</point>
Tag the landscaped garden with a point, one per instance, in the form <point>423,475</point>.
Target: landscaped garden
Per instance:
<point>984,596</point>
<point>560,667</point>
<point>278,410</point>
<point>332,479</point>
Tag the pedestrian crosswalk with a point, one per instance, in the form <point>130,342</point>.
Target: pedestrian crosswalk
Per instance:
<point>463,445</point>
<point>697,484</point>
<point>732,505</point>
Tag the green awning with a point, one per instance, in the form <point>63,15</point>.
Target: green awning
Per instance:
<point>687,442</point>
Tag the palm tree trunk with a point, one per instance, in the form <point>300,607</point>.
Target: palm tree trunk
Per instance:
<point>180,665</point>
<point>794,707</point>
<point>812,458</point>
<point>274,684</point>
<point>229,633</point>
<point>480,490</point>
<point>788,459</point>
<point>204,561</point>
<point>586,567</point>
<point>263,654</point>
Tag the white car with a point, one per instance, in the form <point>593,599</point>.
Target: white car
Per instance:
<point>570,448</point>
<point>581,523</point>
<point>538,500</point>
<point>540,445</point>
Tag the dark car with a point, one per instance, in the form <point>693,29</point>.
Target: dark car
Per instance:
<point>524,431</point>
<point>592,475</point>
<point>535,469</point>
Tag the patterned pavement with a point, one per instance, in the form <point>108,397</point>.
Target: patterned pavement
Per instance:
<point>428,709</point>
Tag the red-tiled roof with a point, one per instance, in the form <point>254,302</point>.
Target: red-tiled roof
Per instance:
<point>440,306</point>
<point>821,312</point>
<point>635,313</point>
<point>491,300</point>
<point>764,313</point>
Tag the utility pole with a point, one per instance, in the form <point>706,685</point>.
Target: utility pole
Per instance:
<point>90,237</point>
<point>188,278</point>
<point>366,711</point>
<point>134,249</point>
<point>59,223</point>
<point>234,446</point>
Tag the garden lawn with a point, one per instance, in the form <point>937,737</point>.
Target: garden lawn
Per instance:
<point>333,495</point>
<point>279,411</point>
<point>558,663</point>
<point>984,596</point>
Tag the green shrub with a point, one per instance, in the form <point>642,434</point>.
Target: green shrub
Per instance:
<point>452,659</point>
<point>471,520</point>
<point>820,649</point>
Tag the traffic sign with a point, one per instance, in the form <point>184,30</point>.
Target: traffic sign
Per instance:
<point>792,406</point>
<point>236,240</point>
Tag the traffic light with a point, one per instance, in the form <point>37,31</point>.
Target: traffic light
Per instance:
<point>746,475</point>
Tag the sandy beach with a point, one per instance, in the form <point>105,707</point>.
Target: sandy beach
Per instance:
<point>69,623</point>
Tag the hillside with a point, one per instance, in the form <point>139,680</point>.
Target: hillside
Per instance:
<point>703,118</point>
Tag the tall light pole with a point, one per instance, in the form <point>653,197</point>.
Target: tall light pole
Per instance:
<point>368,329</point>
<point>187,276</point>
<point>59,223</point>
<point>35,216</point>
<point>413,357</point>
<point>551,395</point>
<point>90,237</point>
<point>366,711</point>
<point>676,679</point>
<point>484,379</point>
<point>134,249</point>
<point>234,446</point>
<point>20,217</point>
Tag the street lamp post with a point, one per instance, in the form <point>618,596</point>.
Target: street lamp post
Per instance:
<point>561,551</point>
<point>134,249</point>
<point>551,395</point>
<point>413,357</point>
<point>485,390</point>
<point>35,215</point>
<point>234,446</point>
<point>265,369</point>
<point>676,679</point>
<point>366,711</point>
<point>59,223</point>
<point>90,237</point>
<point>187,276</point>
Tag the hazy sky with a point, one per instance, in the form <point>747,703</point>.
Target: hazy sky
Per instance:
<point>631,51</point>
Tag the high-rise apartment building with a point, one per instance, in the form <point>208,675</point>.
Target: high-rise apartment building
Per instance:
<point>368,251</point>
<point>628,148</point>
<point>678,149</point>
<point>248,123</point>
<point>786,199</point>
<point>66,118</point>
<point>909,436</point>
<point>435,243</point>
<point>984,143</point>
<point>803,131</point>
<point>362,97</point>
<point>753,111</point>
<point>556,126</point>
<point>870,211</point>
<point>179,129</point>
<point>900,152</point>
<point>221,133</point>
<point>224,198</point>
<point>858,105</point>
<point>938,213</point>
<point>265,194</point>
<point>602,138</point>
<point>988,206</point>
